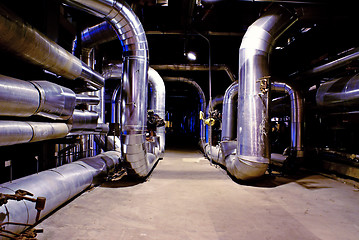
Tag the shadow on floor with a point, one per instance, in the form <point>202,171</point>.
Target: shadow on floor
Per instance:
<point>126,181</point>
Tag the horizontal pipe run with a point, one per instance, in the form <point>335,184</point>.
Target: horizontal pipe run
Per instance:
<point>57,185</point>
<point>87,99</point>
<point>32,46</point>
<point>339,95</point>
<point>333,65</point>
<point>194,67</point>
<point>83,121</point>
<point>23,99</point>
<point>15,132</point>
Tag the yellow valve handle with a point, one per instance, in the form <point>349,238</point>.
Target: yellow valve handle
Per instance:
<point>209,121</point>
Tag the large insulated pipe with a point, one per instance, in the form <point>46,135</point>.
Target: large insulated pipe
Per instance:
<point>253,124</point>
<point>229,111</point>
<point>157,102</point>
<point>333,65</point>
<point>135,64</point>
<point>34,47</point>
<point>57,185</point>
<point>23,99</point>
<point>339,95</point>
<point>15,132</point>
<point>296,117</point>
<point>202,99</point>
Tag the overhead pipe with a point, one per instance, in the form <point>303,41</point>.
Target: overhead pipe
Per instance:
<point>196,67</point>
<point>31,45</point>
<point>330,66</point>
<point>202,99</point>
<point>26,98</point>
<point>135,64</point>
<point>296,117</point>
<point>157,103</point>
<point>253,151</point>
<point>339,95</point>
<point>57,185</point>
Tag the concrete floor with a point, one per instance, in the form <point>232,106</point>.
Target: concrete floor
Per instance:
<point>187,198</point>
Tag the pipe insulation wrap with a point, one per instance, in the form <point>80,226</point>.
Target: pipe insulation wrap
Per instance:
<point>157,103</point>
<point>296,116</point>
<point>23,99</point>
<point>253,124</point>
<point>339,95</point>
<point>31,45</point>
<point>15,132</point>
<point>134,81</point>
<point>229,110</point>
<point>57,185</point>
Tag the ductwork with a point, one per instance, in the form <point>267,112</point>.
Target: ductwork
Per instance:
<point>135,64</point>
<point>296,117</point>
<point>202,99</point>
<point>23,99</point>
<point>57,185</point>
<point>157,103</point>
<point>30,45</point>
<point>253,124</point>
<point>339,95</point>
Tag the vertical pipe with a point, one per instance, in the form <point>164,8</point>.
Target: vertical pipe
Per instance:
<point>296,117</point>
<point>228,113</point>
<point>253,125</point>
<point>135,66</point>
<point>157,102</point>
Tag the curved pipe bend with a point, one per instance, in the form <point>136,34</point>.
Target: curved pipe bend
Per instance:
<point>253,124</point>
<point>134,81</point>
<point>296,117</point>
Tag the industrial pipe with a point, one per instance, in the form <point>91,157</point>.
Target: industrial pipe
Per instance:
<point>57,185</point>
<point>157,103</point>
<point>135,64</point>
<point>83,120</point>
<point>31,45</point>
<point>196,67</point>
<point>23,99</point>
<point>87,99</point>
<point>202,99</point>
<point>296,117</point>
<point>229,111</point>
<point>15,132</point>
<point>253,124</point>
<point>339,95</point>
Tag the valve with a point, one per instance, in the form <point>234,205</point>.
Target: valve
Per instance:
<point>21,194</point>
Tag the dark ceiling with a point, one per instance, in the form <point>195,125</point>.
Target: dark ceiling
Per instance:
<point>175,27</point>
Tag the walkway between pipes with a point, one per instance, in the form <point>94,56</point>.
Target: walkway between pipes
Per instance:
<point>186,198</point>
